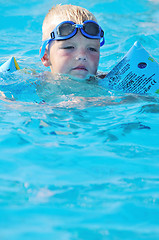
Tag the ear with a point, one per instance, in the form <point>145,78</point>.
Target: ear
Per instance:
<point>45,59</point>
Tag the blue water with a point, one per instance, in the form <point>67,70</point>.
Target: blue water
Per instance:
<point>84,165</point>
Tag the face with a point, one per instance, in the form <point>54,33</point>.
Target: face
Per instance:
<point>77,56</point>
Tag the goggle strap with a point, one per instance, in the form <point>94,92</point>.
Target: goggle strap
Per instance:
<point>102,42</point>
<point>52,35</point>
<point>44,47</point>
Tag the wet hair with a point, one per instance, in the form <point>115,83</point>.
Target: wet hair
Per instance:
<point>60,13</point>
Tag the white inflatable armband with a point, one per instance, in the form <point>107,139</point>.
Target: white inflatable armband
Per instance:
<point>137,72</point>
<point>10,66</point>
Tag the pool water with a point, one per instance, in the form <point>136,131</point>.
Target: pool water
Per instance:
<point>84,164</point>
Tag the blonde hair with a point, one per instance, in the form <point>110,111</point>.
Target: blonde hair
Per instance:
<point>60,13</point>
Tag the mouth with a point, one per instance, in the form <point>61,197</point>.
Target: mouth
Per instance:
<point>80,68</point>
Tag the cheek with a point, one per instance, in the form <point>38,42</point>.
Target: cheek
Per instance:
<point>64,62</point>
<point>59,61</point>
<point>94,59</point>
<point>93,63</point>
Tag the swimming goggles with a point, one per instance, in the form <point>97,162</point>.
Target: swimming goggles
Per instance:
<point>67,29</point>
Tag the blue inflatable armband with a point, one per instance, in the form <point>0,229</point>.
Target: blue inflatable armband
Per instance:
<point>10,66</point>
<point>137,72</point>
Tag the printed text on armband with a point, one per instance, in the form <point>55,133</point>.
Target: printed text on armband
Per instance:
<point>116,69</point>
<point>136,83</point>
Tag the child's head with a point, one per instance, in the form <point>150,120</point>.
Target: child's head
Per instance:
<point>74,51</point>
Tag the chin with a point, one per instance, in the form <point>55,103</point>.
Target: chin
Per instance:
<point>81,76</point>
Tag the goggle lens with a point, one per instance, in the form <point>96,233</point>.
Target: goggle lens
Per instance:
<point>65,29</point>
<point>91,28</point>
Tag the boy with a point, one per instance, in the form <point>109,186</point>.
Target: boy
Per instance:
<point>71,41</point>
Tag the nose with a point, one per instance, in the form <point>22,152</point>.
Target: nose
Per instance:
<point>81,59</point>
<point>81,55</point>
